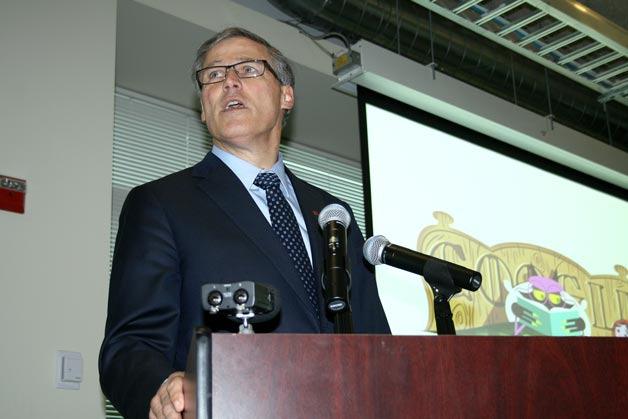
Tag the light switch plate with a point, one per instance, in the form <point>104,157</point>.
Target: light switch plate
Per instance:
<point>69,370</point>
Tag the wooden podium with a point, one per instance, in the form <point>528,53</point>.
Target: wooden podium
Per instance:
<point>375,376</point>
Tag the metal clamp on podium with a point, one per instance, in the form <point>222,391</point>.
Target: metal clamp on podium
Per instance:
<point>244,302</point>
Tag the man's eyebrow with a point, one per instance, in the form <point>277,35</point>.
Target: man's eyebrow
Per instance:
<point>220,61</point>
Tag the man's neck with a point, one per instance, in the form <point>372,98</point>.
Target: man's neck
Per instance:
<point>262,156</point>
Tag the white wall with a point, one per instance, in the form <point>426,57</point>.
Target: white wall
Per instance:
<point>56,116</point>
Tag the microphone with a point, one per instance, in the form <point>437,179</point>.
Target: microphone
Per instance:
<point>378,249</point>
<point>334,220</point>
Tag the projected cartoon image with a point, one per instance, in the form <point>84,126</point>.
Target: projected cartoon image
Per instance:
<point>544,306</point>
<point>526,289</point>
<point>621,328</point>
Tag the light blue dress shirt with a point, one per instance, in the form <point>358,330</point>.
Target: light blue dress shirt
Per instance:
<point>247,173</point>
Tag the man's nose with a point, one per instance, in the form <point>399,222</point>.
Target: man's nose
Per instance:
<point>231,78</point>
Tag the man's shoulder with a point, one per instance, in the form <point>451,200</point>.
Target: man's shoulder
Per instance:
<point>169,184</point>
<point>180,179</point>
<point>169,191</point>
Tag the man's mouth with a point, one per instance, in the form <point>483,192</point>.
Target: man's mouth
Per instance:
<point>233,105</point>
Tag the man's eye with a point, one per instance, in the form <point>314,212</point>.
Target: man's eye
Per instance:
<point>249,69</point>
<point>215,74</point>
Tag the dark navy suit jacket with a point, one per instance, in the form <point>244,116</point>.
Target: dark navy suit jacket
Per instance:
<point>197,226</point>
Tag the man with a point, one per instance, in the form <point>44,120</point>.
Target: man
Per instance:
<point>217,222</point>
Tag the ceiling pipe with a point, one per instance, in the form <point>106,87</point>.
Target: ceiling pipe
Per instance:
<point>467,56</point>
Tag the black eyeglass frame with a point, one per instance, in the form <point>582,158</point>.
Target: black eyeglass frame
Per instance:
<point>227,67</point>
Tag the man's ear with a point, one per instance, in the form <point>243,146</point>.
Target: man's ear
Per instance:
<point>203,118</point>
<point>287,97</point>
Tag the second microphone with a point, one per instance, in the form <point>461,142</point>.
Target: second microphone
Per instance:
<point>378,249</point>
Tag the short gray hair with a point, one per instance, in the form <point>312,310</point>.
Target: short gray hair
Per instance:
<point>278,62</point>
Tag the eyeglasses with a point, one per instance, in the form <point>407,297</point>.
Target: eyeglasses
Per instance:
<point>542,296</point>
<point>244,69</point>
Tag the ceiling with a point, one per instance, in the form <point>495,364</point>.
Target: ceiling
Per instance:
<point>563,35</point>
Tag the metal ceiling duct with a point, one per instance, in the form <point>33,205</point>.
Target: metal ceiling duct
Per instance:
<point>404,27</point>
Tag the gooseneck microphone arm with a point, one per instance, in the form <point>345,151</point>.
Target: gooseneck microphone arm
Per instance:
<point>334,220</point>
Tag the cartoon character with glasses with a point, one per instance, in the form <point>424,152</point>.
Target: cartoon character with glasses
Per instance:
<point>542,305</point>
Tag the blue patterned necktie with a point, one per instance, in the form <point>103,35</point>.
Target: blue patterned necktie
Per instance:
<point>287,229</point>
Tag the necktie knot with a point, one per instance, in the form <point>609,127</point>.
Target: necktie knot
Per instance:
<point>266,180</point>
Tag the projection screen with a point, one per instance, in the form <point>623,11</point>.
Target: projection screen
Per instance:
<point>546,239</point>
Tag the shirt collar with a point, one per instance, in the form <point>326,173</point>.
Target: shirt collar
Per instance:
<point>247,172</point>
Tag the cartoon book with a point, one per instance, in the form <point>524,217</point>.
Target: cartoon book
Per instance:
<point>554,322</point>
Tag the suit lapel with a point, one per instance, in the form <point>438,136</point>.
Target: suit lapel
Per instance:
<point>225,189</point>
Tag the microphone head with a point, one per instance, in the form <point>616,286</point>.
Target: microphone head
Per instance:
<point>373,249</point>
<point>334,212</point>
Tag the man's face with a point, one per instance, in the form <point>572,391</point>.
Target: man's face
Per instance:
<point>261,101</point>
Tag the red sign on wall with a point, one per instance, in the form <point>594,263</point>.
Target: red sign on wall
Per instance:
<point>12,194</point>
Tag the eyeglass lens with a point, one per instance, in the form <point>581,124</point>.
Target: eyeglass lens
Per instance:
<point>243,69</point>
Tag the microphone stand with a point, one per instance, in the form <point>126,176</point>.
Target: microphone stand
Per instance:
<point>343,321</point>
<point>443,287</point>
<point>442,312</point>
<point>337,301</point>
